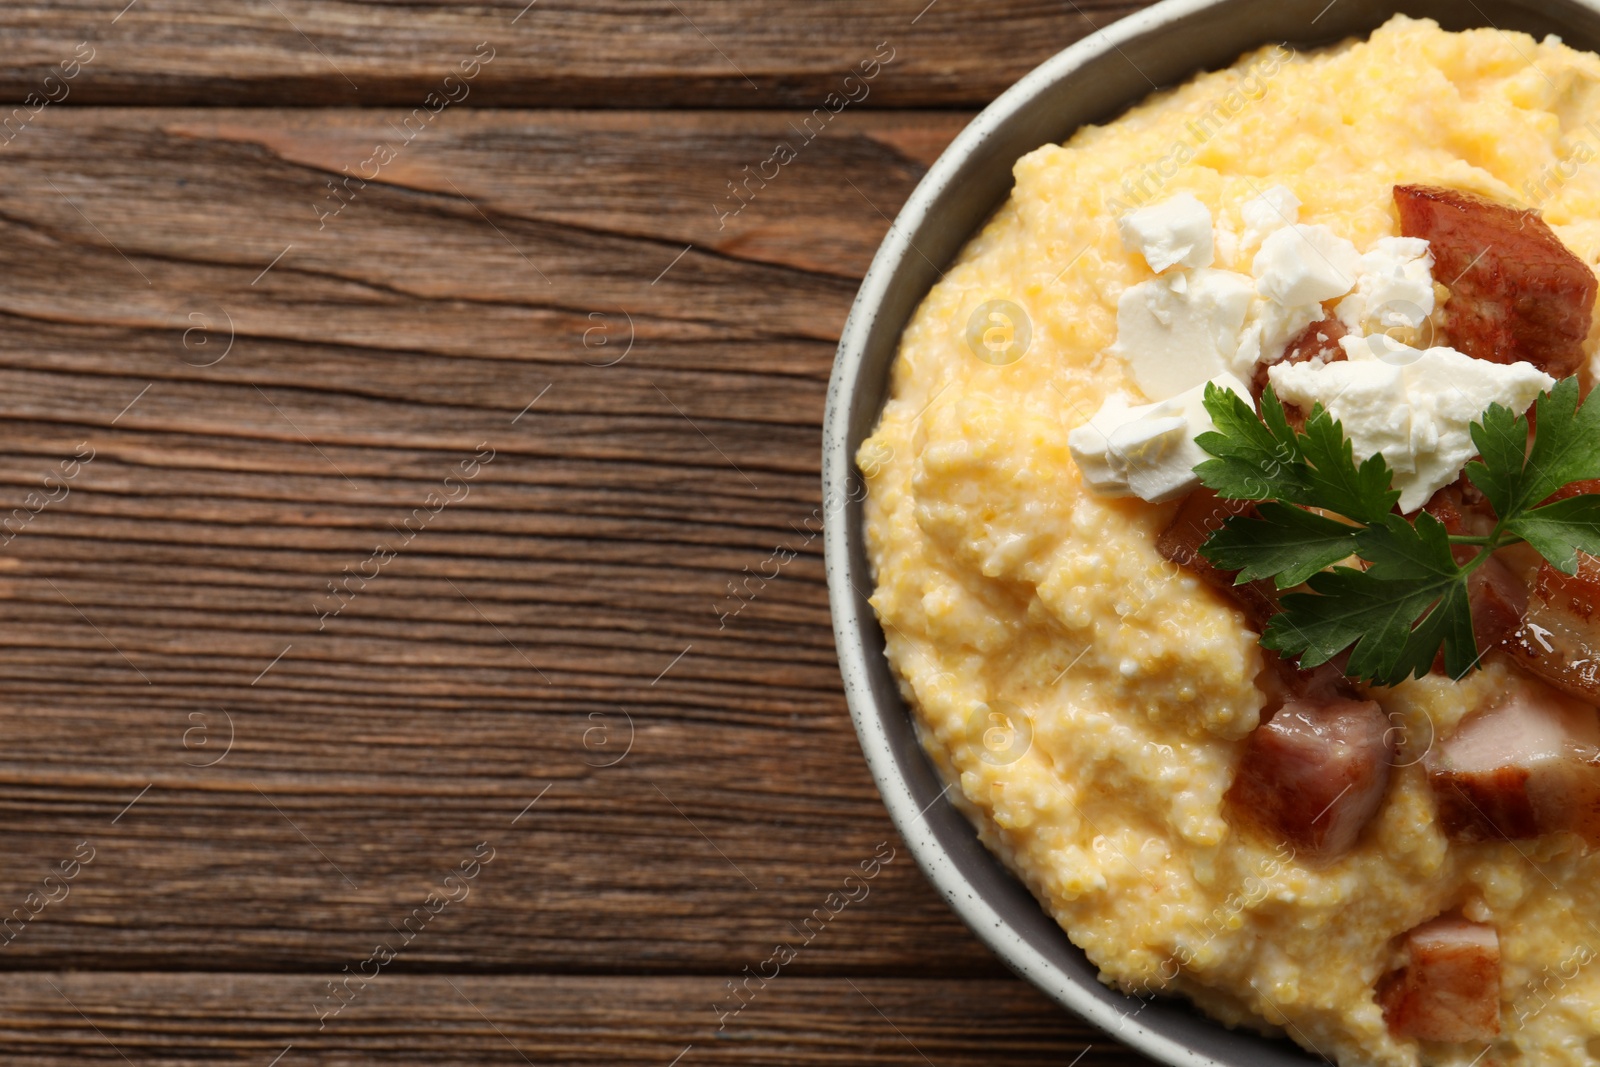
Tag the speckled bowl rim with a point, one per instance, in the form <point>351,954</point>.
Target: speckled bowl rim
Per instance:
<point>1093,80</point>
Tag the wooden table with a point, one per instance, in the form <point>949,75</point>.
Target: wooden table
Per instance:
<point>397,398</point>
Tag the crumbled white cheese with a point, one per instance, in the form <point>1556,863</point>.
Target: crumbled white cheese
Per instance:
<point>1266,214</point>
<point>1181,330</point>
<point>1147,451</point>
<point>1176,332</point>
<point>1304,265</point>
<point>1225,241</point>
<point>1394,287</point>
<point>1268,329</point>
<point>1414,407</point>
<point>1173,233</point>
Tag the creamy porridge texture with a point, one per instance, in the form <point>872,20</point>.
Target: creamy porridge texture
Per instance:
<point>1017,599</point>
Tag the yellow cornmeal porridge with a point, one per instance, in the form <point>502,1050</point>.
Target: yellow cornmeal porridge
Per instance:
<point>1003,581</point>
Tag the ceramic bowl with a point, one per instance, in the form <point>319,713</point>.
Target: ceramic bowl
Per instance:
<point>1092,81</point>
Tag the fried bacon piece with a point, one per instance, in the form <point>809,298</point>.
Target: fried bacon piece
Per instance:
<point>1200,515</point>
<point>1461,507</point>
<point>1497,597</point>
<point>1449,989</point>
<point>1528,766</point>
<point>1559,639</point>
<point>1588,485</point>
<point>1315,773</point>
<point>1499,601</point>
<point>1320,340</point>
<point>1283,681</point>
<point>1516,292</point>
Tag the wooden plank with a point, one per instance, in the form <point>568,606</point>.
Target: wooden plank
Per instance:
<point>541,746</point>
<point>72,1018</point>
<point>549,53</point>
<point>180,583</point>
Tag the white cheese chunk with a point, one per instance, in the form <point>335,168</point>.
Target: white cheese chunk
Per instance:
<point>1412,406</point>
<point>1173,233</point>
<point>1147,451</point>
<point>1225,242</point>
<point>1305,265</point>
<point>1268,213</point>
<point>1181,330</point>
<point>1268,329</point>
<point>1394,287</point>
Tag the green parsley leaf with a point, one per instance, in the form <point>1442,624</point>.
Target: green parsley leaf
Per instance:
<point>1561,530</point>
<point>1265,459</point>
<point>1400,551</point>
<point>1334,482</point>
<point>1502,440</point>
<point>1284,542</point>
<point>1254,460</point>
<point>1410,600</point>
<point>1396,549</point>
<point>1566,449</point>
<point>1348,608</point>
<point>1447,623</point>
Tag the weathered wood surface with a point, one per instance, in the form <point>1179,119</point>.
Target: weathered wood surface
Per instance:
<point>581,572</point>
<point>442,1020</point>
<point>219,793</point>
<point>146,606</point>
<point>549,53</point>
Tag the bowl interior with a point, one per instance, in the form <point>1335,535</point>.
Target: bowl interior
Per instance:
<point>1093,81</point>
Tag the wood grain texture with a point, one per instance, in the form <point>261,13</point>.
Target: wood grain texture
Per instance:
<point>581,572</point>
<point>356,532</point>
<point>551,53</point>
<point>55,1018</point>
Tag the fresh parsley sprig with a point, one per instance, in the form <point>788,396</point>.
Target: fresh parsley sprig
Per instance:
<point>1408,597</point>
